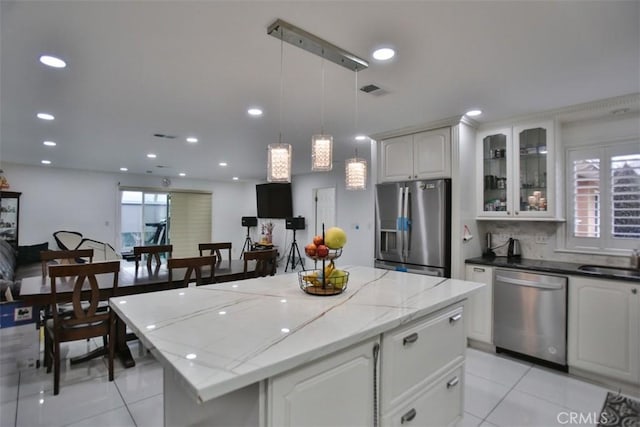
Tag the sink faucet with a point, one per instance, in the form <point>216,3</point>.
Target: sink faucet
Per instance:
<point>635,259</point>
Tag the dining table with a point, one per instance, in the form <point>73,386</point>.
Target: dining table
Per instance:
<point>36,291</point>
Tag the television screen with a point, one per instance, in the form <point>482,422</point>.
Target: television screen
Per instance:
<point>274,200</point>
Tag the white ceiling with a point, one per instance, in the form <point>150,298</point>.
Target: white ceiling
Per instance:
<point>193,68</point>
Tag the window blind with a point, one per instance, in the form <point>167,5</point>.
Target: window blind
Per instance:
<point>586,197</point>
<point>625,192</point>
<point>190,222</point>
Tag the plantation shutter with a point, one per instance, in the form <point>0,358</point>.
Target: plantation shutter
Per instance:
<point>625,193</point>
<point>190,222</point>
<point>586,197</point>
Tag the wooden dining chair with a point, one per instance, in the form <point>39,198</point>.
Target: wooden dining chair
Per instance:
<point>151,252</point>
<point>215,247</point>
<point>63,257</point>
<point>192,264</point>
<point>85,321</point>
<point>266,263</point>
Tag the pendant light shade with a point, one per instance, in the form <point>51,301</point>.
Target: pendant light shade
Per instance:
<point>321,153</point>
<point>356,174</point>
<point>279,163</point>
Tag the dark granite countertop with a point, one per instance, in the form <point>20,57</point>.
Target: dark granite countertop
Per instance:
<point>555,267</point>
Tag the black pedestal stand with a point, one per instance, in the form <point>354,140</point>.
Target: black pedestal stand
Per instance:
<point>292,254</point>
<point>248,244</point>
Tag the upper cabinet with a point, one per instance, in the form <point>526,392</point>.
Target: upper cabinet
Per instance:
<point>423,155</point>
<point>516,172</point>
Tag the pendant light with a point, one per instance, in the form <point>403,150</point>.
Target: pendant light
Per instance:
<point>322,145</point>
<point>279,155</point>
<point>356,168</point>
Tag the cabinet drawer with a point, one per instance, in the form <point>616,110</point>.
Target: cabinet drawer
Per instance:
<point>416,352</point>
<point>438,404</point>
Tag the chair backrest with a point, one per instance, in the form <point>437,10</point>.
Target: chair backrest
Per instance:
<point>266,263</point>
<point>85,301</point>
<point>102,251</point>
<point>192,264</point>
<point>215,247</point>
<point>64,257</point>
<point>152,252</point>
<point>67,240</point>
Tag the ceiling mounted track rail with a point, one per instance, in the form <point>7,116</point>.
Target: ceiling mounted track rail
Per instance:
<point>307,41</point>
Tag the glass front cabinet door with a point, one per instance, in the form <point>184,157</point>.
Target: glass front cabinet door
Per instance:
<point>533,168</point>
<point>496,172</point>
<point>516,166</point>
<point>9,215</point>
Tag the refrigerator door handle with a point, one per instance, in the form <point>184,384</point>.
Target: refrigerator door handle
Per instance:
<point>407,228</point>
<point>400,222</point>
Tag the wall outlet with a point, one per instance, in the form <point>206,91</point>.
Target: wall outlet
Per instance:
<point>541,238</point>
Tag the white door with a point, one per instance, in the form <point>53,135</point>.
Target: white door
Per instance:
<point>603,327</point>
<point>432,154</point>
<point>337,390</point>
<point>325,208</point>
<point>479,306</point>
<point>396,162</point>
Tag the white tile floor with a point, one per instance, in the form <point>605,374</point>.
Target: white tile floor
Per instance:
<point>499,391</point>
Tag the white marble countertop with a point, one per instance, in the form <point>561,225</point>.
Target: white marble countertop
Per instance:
<point>219,338</point>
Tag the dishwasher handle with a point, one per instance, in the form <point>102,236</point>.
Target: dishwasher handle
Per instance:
<point>529,283</point>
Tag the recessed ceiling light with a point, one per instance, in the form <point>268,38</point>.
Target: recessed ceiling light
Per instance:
<point>384,54</point>
<point>191,356</point>
<point>473,113</point>
<point>254,112</point>
<point>45,116</point>
<point>151,156</point>
<point>192,140</point>
<point>222,163</point>
<point>360,137</point>
<point>182,174</point>
<point>52,61</point>
<point>124,169</point>
<point>235,178</point>
<point>49,143</point>
<point>45,162</point>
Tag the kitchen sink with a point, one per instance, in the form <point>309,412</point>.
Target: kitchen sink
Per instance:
<point>612,271</point>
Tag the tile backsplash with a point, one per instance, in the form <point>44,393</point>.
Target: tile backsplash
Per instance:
<point>538,241</point>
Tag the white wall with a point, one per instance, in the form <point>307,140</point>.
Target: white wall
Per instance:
<point>88,202</point>
<point>354,213</point>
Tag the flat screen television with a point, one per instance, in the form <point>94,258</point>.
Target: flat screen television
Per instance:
<point>274,200</point>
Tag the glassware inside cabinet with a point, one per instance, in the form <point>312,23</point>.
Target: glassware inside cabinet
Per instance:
<point>495,172</point>
<point>533,169</point>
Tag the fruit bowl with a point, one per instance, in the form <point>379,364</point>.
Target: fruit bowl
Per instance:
<point>333,254</point>
<point>314,282</point>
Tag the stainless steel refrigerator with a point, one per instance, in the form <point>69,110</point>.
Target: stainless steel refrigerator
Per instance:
<point>413,227</point>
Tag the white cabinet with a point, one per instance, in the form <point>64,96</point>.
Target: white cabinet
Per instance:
<point>421,370</point>
<point>604,327</point>
<point>423,155</point>
<point>337,390</point>
<point>479,307</point>
<point>438,404</point>
<point>413,375</point>
<point>516,176</point>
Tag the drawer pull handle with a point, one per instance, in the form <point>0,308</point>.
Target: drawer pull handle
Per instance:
<point>453,382</point>
<point>409,339</point>
<point>455,318</point>
<point>408,416</point>
<point>478,269</point>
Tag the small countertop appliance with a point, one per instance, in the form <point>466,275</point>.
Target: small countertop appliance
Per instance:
<point>514,250</point>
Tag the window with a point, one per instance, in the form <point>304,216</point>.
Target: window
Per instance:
<point>181,218</point>
<point>604,197</point>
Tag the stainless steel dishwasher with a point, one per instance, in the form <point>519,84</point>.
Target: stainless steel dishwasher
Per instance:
<point>530,314</point>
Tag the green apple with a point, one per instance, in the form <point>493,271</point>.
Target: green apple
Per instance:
<point>335,238</point>
<point>337,278</point>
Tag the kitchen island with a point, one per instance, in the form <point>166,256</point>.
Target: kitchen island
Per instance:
<point>262,352</point>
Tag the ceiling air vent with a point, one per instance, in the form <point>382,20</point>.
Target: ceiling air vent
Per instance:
<point>162,135</point>
<point>373,90</point>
